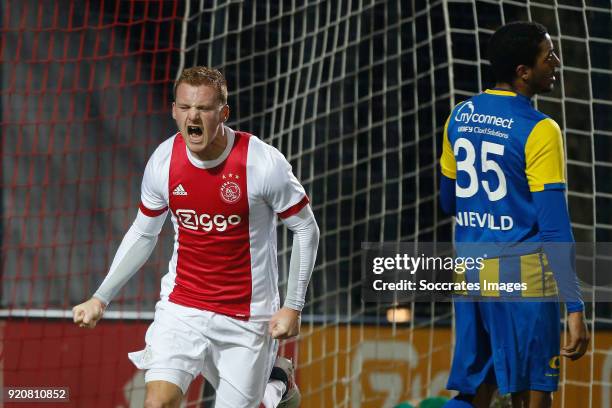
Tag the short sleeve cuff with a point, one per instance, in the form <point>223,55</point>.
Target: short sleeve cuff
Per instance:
<point>574,306</point>
<point>547,187</point>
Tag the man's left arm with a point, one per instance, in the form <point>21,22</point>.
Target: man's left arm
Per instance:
<point>557,242</point>
<point>287,198</point>
<point>286,322</point>
<point>545,171</point>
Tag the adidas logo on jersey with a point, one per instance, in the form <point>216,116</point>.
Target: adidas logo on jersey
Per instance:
<point>179,190</point>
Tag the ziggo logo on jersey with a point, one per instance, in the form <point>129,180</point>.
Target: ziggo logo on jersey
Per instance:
<point>206,222</point>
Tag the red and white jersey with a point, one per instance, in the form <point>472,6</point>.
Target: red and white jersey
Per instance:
<point>224,216</point>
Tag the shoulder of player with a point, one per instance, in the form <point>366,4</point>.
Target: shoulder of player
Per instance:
<point>460,104</point>
<point>546,125</point>
<point>530,121</point>
<point>164,149</point>
<point>155,176</point>
<point>263,153</point>
<point>544,131</point>
<point>533,114</point>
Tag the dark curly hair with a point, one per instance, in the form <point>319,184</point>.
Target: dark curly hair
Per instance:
<point>514,44</point>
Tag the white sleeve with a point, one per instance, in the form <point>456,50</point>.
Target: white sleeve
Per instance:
<point>135,249</point>
<point>153,190</point>
<point>303,255</point>
<point>282,191</point>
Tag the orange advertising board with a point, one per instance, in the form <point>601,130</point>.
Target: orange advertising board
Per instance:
<point>351,366</point>
<point>374,367</point>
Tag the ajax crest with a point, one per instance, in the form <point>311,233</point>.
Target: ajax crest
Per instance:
<point>230,190</point>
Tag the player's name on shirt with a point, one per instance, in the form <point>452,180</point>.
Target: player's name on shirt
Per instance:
<point>484,220</point>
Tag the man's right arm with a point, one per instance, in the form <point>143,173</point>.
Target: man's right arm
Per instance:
<point>135,249</point>
<point>138,242</point>
<point>448,166</point>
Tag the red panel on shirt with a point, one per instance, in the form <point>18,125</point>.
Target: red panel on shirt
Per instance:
<point>212,211</point>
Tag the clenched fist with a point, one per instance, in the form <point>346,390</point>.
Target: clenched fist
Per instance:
<point>88,313</point>
<point>285,323</point>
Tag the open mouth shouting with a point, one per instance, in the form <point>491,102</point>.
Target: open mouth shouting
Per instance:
<point>195,133</point>
<point>193,130</point>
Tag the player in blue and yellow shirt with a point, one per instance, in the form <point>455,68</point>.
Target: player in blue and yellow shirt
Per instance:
<point>503,178</point>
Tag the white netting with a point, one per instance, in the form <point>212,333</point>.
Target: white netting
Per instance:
<point>355,94</point>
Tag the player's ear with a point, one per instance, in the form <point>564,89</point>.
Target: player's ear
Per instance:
<point>523,72</point>
<point>225,111</point>
<point>174,110</point>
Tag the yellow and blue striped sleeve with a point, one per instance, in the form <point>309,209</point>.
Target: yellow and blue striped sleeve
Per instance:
<point>448,164</point>
<point>544,159</point>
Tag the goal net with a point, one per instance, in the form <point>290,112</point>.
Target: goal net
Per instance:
<point>353,93</point>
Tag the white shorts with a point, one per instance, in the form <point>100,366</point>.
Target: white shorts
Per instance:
<point>235,356</point>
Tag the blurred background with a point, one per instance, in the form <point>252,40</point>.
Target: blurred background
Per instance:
<point>354,93</point>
